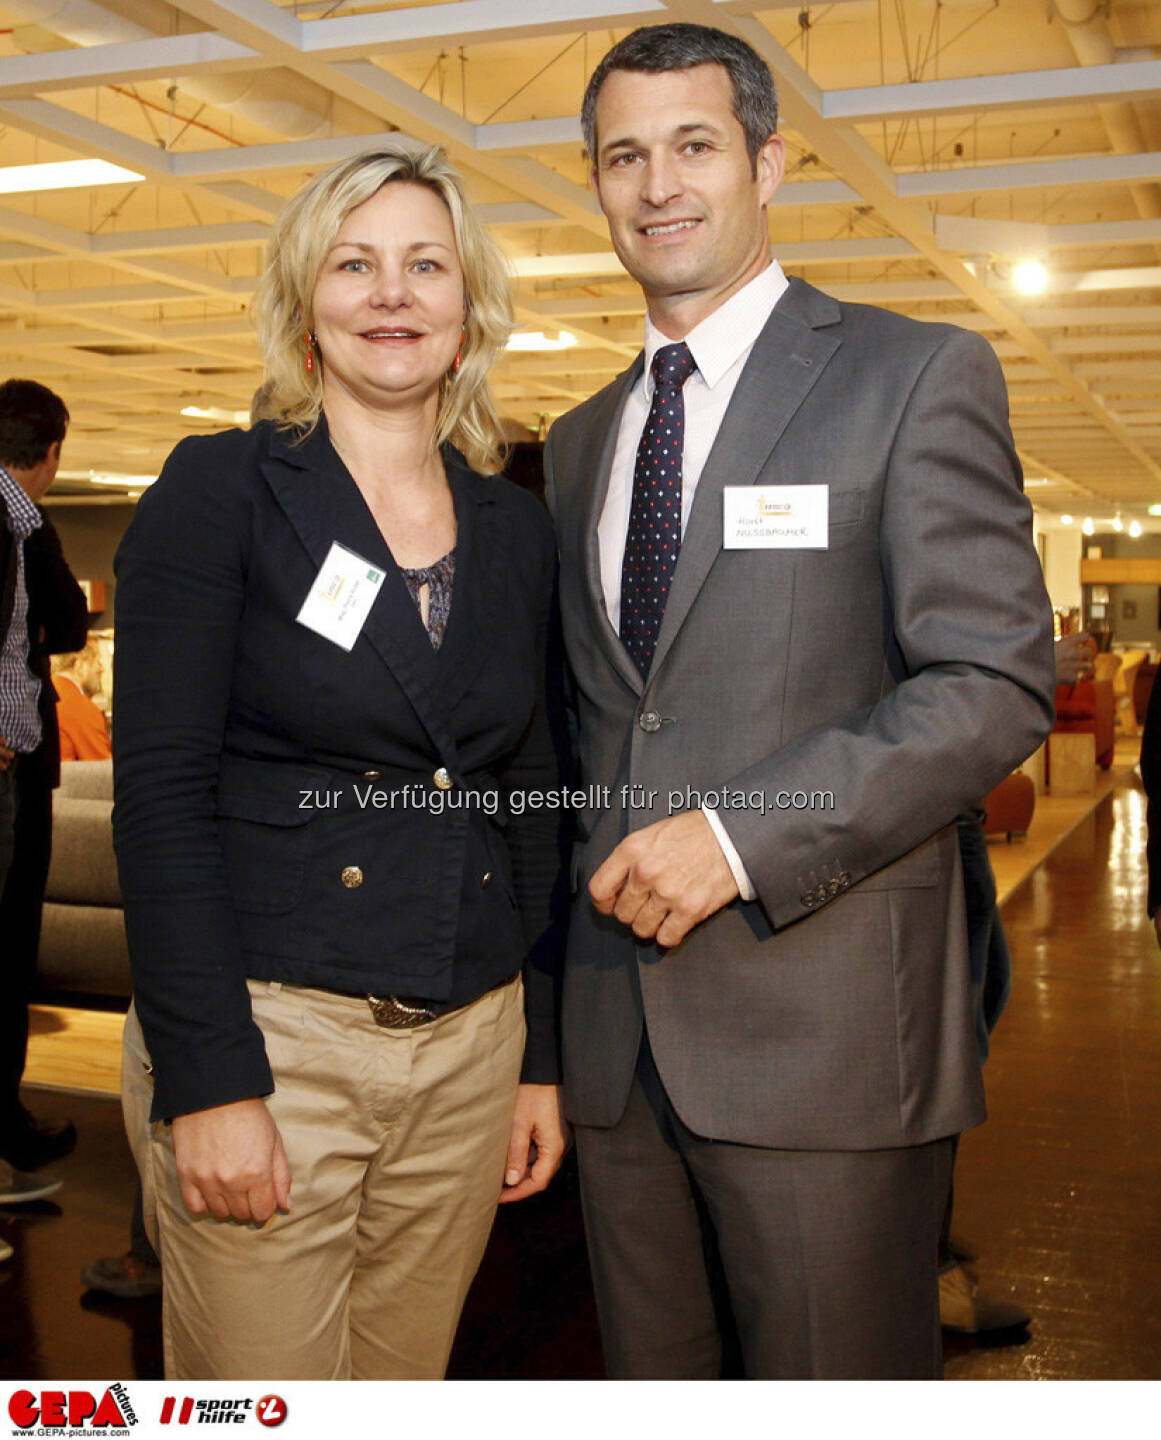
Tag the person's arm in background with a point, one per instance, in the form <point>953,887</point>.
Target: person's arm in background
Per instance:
<point>1151,778</point>
<point>1075,656</point>
<point>56,603</point>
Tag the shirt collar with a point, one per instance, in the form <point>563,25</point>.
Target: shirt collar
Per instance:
<point>726,334</point>
<point>22,513</point>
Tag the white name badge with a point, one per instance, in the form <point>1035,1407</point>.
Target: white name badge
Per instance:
<point>775,517</point>
<point>341,597</point>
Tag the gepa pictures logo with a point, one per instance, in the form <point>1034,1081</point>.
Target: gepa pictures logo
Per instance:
<point>75,1412</point>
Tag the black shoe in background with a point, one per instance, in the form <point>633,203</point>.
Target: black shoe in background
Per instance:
<point>31,1143</point>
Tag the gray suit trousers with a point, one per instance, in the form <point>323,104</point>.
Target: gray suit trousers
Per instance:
<point>828,1257</point>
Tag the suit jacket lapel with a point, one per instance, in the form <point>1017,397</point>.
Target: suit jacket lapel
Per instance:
<point>787,359</point>
<point>324,505</point>
<point>603,428</point>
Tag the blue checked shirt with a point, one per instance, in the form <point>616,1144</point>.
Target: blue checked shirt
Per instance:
<point>19,687</point>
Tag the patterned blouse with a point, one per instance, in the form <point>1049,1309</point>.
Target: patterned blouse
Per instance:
<point>438,578</point>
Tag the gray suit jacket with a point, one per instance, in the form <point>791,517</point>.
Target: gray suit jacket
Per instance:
<point>905,670</point>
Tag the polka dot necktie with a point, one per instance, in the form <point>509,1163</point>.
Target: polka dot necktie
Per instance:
<point>654,536</point>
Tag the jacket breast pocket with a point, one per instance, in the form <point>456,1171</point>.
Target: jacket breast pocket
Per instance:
<point>264,814</point>
<point>844,513</point>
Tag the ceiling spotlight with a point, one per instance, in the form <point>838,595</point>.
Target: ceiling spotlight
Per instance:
<point>1030,277</point>
<point>1088,527</point>
<point>1118,524</point>
<point>1135,529</point>
<point>538,340</point>
<point>1066,519</point>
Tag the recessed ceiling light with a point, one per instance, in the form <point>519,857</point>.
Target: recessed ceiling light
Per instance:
<point>111,477</point>
<point>212,412</point>
<point>63,175</point>
<point>538,340</point>
<point>1066,519</point>
<point>1134,529</point>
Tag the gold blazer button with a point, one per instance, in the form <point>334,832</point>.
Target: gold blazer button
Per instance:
<point>352,877</point>
<point>443,781</point>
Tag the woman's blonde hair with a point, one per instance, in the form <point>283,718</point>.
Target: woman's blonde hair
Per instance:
<point>303,237</point>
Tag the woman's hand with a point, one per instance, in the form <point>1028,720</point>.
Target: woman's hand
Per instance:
<point>230,1162</point>
<point>540,1136</point>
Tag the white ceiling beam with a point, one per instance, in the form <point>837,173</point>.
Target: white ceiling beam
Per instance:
<point>891,292</point>
<point>790,252</point>
<point>468,22</point>
<point>18,254</point>
<point>517,212</point>
<point>1105,232</point>
<point>1120,369</point>
<point>122,63</point>
<point>815,192</point>
<point>1033,174</point>
<point>517,137</point>
<point>591,306</point>
<point>974,94</point>
<point>258,23</point>
<point>105,297</point>
<point>179,237</point>
<point>971,235</point>
<point>1104,344</point>
<point>1142,277</point>
<point>1081,315</point>
<point>270,159</point>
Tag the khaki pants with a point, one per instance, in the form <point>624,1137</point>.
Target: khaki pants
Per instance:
<point>397,1141</point>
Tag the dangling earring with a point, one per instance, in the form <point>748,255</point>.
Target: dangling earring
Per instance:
<point>311,341</point>
<point>459,360</point>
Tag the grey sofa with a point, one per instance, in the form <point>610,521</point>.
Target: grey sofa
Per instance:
<point>82,944</point>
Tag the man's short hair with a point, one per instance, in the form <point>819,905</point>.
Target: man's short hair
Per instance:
<point>654,49</point>
<point>32,421</point>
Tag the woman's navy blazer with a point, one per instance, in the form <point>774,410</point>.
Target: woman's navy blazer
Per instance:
<point>278,812</point>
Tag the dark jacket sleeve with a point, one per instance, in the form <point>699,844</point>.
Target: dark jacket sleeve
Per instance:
<point>538,831</point>
<point>181,579</point>
<point>56,603</point>
<point>58,623</point>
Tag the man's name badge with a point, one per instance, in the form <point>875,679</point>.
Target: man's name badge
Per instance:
<point>775,517</point>
<point>341,597</point>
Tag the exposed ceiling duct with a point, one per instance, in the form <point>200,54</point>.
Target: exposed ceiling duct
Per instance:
<point>1087,25</point>
<point>289,105</point>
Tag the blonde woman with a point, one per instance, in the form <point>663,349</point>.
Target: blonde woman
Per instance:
<point>330,681</point>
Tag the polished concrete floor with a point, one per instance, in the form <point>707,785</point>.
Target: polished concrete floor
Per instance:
<point>1060,1193</point>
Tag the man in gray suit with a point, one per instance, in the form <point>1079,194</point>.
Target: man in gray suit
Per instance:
<point>806,626</point>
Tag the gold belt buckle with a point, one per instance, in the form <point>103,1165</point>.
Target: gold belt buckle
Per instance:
<point>395,1014</point>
